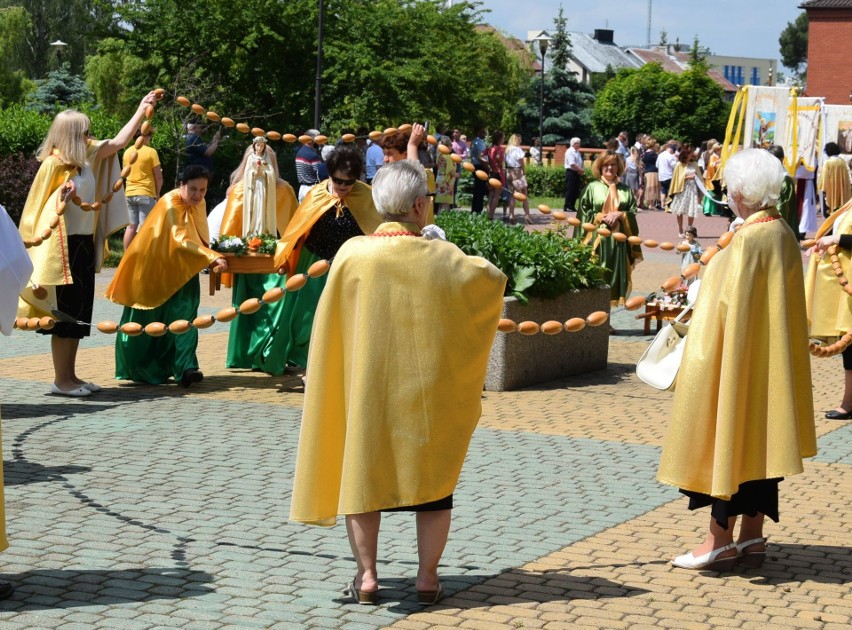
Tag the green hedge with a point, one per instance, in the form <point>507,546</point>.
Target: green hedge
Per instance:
<point>542,181</point>
<point>539,264</point>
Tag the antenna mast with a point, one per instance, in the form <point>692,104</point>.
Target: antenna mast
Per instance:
<point>648,37</point>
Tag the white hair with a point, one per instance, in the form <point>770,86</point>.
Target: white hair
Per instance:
<point>757,176</point>
<point>397,186</point>
<point>574,141</point>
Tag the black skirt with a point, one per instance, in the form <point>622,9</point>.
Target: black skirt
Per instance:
<point>752,498</point>
<point>433,506</point>
<point>77,299</point>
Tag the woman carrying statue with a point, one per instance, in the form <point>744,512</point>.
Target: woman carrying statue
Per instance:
<point>607,201</point>
<point>259,202</point>
<point>332,212</point>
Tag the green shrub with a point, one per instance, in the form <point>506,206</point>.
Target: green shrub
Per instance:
<point>539,264</point>
<point>22,130</point>
<point>549,181</point>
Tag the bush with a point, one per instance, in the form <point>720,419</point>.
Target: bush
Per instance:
<point>549,181</point>
<point>542,264</point>
<point>17,172</point>
<point>21,130</point>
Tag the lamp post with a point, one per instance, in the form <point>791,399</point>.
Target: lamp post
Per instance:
<point>59,45</point>
<point>543,40</point>
<point>317,107</point>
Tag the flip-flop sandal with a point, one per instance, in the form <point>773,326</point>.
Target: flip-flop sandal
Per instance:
<point>430,598</point>
<point>365,598</point>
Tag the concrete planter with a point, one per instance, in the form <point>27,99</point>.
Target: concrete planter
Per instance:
<point>519,361</point>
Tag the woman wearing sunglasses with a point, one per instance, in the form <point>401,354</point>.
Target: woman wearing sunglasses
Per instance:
<point>332,212</point>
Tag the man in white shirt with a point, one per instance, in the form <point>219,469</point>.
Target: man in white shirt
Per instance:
<point>665,168</point>
<point>573,171</point>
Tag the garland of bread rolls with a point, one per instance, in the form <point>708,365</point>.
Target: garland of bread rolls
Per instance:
<point>119,183</point>
<point>833,349</point>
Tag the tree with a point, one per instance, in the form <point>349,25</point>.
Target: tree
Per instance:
<point>567,101</point>
<point>689,106</point>
<point>793,44</point>
<point>14,22</point>
<point>59,90</point>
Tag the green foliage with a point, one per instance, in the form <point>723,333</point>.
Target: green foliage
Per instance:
<point>109,75</point>
<point>17,172</point>
<point>689,106</point>
<point>59,90</point>
<point>567,101</point>
<point>538,264</point>
<point>22,130</point>
<point>14,23</point>
<point>549,181</point>
<point>793,43</point>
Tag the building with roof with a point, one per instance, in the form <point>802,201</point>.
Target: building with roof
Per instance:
<point>678,61</point>
<point>594,54</point>
<point>829,49</point>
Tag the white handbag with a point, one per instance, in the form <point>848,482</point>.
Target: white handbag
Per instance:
<point>660,363</point>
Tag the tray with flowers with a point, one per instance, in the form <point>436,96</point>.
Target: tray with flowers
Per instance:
<point>252,254</point>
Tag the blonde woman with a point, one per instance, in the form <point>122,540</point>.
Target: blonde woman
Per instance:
<point>79,170</point>
<point>516,179</point>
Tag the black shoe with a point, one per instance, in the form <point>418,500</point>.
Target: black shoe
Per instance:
<point>838,415</point>
<point>6,589</point>
<point>193,375</point>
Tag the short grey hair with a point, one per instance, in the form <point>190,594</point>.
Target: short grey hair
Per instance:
<point>757,176</point>
<point>574,141</point>
<point>397,186</point>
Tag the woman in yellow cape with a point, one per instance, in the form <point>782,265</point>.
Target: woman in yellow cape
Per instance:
<point>157,281</point>
<point>402,337</point>
<point>81,172</point>
<point>829,306</point>
<point>743,408</point>
<point>259,202</point>
<point>333,211</point>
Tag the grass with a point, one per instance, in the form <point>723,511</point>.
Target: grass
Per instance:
<point>116,249</point>
<point>555,203</point>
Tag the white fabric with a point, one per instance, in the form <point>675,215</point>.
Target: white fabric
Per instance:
<point>802,148</point>
<point>214,219</point>
<point>837,127</point>
<point>259,216</point>
<point>766,116</point>
<point>515,157</point>
<point>572,156</point>
<point>77,220</point>
<point>15,270</point>
<point>808,222</point>
<point>666,163</point>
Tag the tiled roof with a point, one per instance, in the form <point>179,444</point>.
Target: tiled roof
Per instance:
<point>826,4</point>
<point>595,56</point>
<point>677,63</point>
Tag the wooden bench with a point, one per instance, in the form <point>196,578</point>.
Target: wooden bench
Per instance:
<point>661,312</point>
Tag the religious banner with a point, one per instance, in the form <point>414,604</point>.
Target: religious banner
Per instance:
<point>802,143</point>
<point>837,127</point>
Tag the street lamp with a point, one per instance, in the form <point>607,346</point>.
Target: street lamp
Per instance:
<point>543,40</point>
<point>59,45</point>
<point>319,66</point>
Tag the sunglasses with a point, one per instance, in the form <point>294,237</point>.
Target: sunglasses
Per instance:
<point>344,182</point>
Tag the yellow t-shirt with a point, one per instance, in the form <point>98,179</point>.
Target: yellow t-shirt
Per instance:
<point>140,182</point>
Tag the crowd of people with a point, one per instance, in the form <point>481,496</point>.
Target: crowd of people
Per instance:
<point>743,410</point>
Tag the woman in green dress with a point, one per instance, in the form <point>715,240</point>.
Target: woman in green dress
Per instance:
<point>333,211</point>
<point>607,202</point>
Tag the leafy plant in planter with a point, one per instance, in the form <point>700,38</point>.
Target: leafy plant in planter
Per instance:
<point>539,264</point>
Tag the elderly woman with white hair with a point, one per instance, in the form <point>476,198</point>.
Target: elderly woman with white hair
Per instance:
<point>402,336</point>
<point>743,410</point>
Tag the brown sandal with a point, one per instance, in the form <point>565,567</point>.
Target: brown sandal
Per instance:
<point>366,598</point>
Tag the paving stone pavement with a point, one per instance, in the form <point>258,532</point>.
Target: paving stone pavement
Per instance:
<point>159,507</point>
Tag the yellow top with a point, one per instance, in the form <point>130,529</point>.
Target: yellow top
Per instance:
<point>743,407</point>
<point>829,306</point>
<point>679,177</point>
<point>51,260</point>
<point>313,206</point>
<point>140,182</point>
<point>834,182</point>
<point>397,362</point>
<point>169,249</point>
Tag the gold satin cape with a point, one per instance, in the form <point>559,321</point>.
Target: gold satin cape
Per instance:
<point>169,249</point>
<point>232,221</point>
<point>743,406</point>
<point>679,177</point>
<point>398,356</point>
<point>829,306</point>
<point>313,206</point>
<point>834,182</point>
<point>51,260</point>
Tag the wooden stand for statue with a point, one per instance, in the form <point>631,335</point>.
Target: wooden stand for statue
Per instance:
<point>246,263</point>
<point>661,312</point>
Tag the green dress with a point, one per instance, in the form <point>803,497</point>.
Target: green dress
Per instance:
<point>250,332</point>
<point>788,205</point>
<point>618,258</point>
<point>153,360</point>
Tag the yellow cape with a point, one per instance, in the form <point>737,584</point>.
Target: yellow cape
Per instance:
<point>834,182</point>
<point>829,306</point>
<point>169,249</point>
<point>398,356</point>
<point>679,178</point>
<point>232,220</point>
<point>313,206</point>
<point>743,407</point>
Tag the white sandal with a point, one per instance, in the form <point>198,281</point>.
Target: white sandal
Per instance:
<point>73,393</point>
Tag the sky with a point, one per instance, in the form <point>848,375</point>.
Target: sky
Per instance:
<point>740,28</point>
